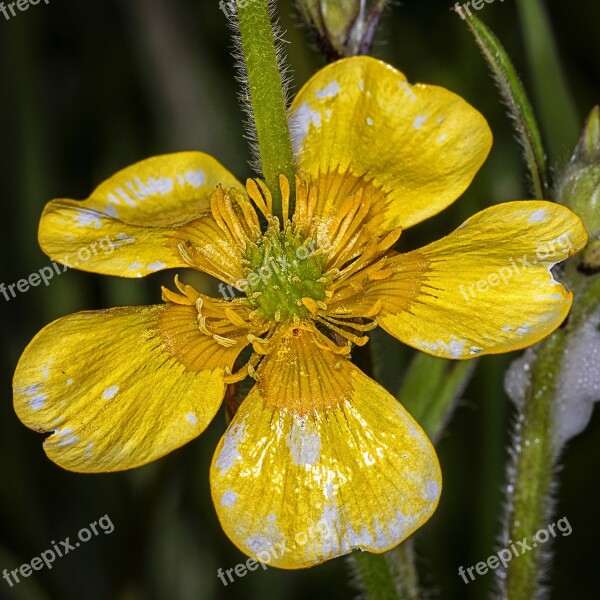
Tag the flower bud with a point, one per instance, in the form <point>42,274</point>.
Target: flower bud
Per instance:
<point>342,27</point>
<point>579,187</point>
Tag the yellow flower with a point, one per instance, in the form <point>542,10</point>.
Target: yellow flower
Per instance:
<point>319,459</point>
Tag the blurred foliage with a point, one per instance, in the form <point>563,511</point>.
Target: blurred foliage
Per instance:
<point>89,87</point>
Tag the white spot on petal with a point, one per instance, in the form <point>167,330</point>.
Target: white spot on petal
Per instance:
<point>229,498</point>
<point>300,124</point>
<point>369,121</point>
<point>156,266</point>
<point>110,392</point>
<point>196,178</point>
<point>37,401</point>
<point>110,210</point>
<point>418,121</point>
<point>368,458</point>
<point>304,445</point>
<point>121,192</point>
<point>85,218</point>
<point>37,398</point>
<point>457,348</point>
<point>34,388</point>
<point>329,91</point>
<point>404,85</point>
<point>152,187</point>
<point>229,453</point>
<point>192,418</point>
<point>538,216</point>
<point>433,490</point>
<point>68,441</point>
<point>260,544</point>
<point>125,238</point>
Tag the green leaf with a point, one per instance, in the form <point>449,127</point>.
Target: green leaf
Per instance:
<point>514,96</point>
<point>556,107</point>
<point>431,388</point>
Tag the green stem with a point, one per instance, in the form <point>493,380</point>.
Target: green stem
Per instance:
<point>536,450</point>
<point>375,576</point>
<point>266,95</point>
<point>403,566</point>
<point>534,459</point>
<point>389,576</point>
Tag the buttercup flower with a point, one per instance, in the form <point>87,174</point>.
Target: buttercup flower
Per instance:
<point>316,447</point>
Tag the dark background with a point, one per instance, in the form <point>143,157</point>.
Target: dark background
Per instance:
<point>87,88</point>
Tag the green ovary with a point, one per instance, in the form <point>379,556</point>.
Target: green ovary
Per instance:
<point>283,270</point>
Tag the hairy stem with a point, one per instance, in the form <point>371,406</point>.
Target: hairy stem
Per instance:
<point>267,98</point>
<point>537,447</point>
<point>530,491</point>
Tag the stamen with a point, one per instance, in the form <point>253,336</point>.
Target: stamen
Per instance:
<point>266,193</point>
<point>260,345</point>
<point>374,310</point>
<point>325,343</point>
<point>345,323</point>
<point>379,275</point>
<point>252,372</point>
<point>358,340</point>
<point>224,341</point>
<point>201,318</point>
<point>217,205</point>
<point>236,319</point>
<point>171,296</point>
<point>284,186</point>
<point>235,377</point>
<point>183,252</point>
<point>255,195</point>
<point>232,221</point>
<point>311,305</point>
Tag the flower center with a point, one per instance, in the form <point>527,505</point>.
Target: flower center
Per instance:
<point>284,276</point>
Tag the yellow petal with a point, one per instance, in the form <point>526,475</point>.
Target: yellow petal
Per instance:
<point>133,223</point>
<point>419,146</point>
<point>121,387</point>
<point>319,460</point>
<point>487,287</point>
